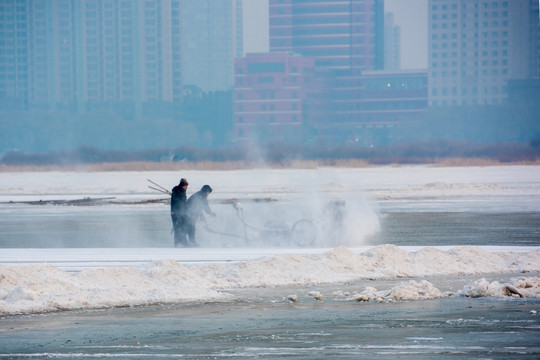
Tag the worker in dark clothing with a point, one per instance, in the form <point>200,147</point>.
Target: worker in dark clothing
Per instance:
<point>178,213</point>
<point>196,204</point>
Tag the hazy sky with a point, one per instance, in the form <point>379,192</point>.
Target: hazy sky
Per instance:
<point>256,26</point>
<point>410,15</point>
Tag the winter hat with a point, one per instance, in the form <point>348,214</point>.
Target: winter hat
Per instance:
<point>183,182</point>
<point>206,188</point>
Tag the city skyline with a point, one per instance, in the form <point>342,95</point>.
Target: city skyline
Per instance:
<point>83,67</point>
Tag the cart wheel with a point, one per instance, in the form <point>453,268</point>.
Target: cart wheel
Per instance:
<point>304,233</point>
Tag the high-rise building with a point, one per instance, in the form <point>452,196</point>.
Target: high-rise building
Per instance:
<point>342,35</point>
<point>63,53</point>
<point>211,40</point>
<point>346,39</point>
<point>477,46</point>
<point>392,43</point>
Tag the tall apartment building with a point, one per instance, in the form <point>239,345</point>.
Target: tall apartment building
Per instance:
<point>392,43</point>
<point>212,37</point>
<point>477,46</point>
<point>63,53</point>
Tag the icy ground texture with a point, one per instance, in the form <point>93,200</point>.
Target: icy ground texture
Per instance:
<point>42,287</point>
<point>381,183</point>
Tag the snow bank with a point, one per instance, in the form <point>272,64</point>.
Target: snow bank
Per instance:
<point>43,287</point>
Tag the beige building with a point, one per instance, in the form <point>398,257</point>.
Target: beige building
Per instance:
<point>476,46</point>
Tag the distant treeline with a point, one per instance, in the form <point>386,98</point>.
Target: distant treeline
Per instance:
<point>201,129</point>
<point>206,121</point>
<point>201,121</point>
<point>284,154</point>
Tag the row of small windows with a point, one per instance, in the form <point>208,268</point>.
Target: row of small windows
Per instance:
<point>345,40</point>
<point>464,102</point>
<point>445,91</point>
<point>485,24</point>
<point>270,67</point>
<point>494,53</point>
<point>268,95</point>
<point>271,79</point>
<point>494,62</point>
<point>265,107</point>
<point>318,10</point>
<point>14,26</point>
<point>345,19</point>
<point>484,35</point>
<point>262,118</point>
<point>493,14</point>
<point>318,31</point>
<point>485,5</point>
<point>390,105</point>
<point>484,72</point>
<point>464,54</point>
<point>9,8</point>
<point>464,44</point>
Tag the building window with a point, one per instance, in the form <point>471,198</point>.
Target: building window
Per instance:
<point>265,79</point>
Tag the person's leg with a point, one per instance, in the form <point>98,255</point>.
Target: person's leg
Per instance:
<point>177,231</point>
<point>191,233</point>
<point>182,231</point>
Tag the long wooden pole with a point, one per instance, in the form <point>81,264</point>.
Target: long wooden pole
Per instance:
<point>167,191</point>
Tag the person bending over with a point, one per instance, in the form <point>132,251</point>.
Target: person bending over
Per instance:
<point>196,204</point>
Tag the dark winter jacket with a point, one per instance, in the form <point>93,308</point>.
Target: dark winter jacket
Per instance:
<point>178,201</point>
<point>196,204</point>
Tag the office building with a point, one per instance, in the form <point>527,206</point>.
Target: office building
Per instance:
<point>347,40</point>
<point>341,35</point>
<point>477,46</point>
<point>383,100</point>
<point>276,97</point>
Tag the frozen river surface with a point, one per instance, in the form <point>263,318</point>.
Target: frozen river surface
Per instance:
<point>264,325</point>
<point>436,262</point>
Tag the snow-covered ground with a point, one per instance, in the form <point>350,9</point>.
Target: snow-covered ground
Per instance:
<point>38,280</point>
<point>381,183</point>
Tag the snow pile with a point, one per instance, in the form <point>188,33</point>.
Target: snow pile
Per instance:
<point>410,290</point>
<point>423,290</point>
<point>523,287</point>
<point>42,287</point>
